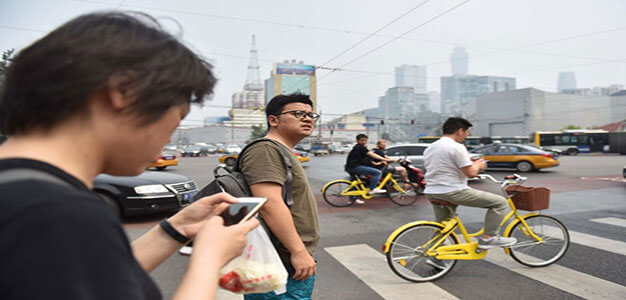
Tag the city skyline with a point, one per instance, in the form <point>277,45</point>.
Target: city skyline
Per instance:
<point>502,38</point>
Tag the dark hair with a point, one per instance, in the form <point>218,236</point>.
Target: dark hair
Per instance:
<point>276,104</point>
<point>52,79</point>
<point>361,136</point>
<point>453,124</point>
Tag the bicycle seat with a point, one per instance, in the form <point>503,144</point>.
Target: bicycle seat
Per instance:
<point>441,202</point>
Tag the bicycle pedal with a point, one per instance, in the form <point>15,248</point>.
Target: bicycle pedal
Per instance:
<point>481,250</point>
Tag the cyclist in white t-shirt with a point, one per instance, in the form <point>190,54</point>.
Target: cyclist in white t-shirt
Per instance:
<point>448,167</point>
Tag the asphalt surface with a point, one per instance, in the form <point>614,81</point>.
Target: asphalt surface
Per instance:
<point>585,189</point>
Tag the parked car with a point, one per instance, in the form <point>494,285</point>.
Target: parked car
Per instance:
<point>166,159</point>
<point>231,159</point>
<point>146,193</point>
<point>233,149</point>
<point>211,149</point>
<point>524,158</point>
<point>319,149</point>
<point>302,156</point>
<point>195,150</point>
<point>415,153</point>
<point>346,148</point>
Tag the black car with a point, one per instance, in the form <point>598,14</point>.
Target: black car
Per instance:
<point>144,194</point>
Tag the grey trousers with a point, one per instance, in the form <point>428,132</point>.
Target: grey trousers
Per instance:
<point>497,206</point>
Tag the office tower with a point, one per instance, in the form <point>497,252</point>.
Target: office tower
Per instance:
<point>412,76</point>
<point>459,60</point>
<point>567,81</point>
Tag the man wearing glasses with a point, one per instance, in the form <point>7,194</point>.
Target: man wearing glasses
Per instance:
<point>295,228</point>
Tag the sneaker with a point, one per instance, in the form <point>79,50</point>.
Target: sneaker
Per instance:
<point>436,263</point>
<point>377,191</point>
<point>359,201</point>
<point>496,241</point>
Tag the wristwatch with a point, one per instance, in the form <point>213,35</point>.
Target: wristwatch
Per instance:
<point>172,232</point>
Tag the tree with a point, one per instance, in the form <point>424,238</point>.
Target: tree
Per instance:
<point>7,55</point>
<point>257,132</point>
<point>572,127</point>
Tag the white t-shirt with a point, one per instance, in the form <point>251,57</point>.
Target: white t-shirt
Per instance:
<point>443,160</point>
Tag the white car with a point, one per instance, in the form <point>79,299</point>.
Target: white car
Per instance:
<point>233,149</point>
<point>415,153</point>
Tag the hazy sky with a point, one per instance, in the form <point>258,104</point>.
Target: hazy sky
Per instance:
<point>530,40</point>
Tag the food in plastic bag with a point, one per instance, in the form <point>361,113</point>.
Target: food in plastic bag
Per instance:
<point>258,269</point>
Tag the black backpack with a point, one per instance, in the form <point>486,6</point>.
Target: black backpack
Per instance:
<point>233,182</point>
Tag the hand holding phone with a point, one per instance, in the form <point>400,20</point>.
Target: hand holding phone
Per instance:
<point>242,211</point>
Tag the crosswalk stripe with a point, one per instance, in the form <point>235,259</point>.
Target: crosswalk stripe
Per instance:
<point>589,240</point>
<point>369,265</point>
<point>571,281</point>
<point>611,221</point>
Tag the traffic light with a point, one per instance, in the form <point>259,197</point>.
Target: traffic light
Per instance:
<point>412,121</point>
<point>382,122</point>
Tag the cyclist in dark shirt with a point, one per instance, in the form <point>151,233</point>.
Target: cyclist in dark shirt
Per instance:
<point>358,163</point>
<point>103,93</point>
<point>384,166</point>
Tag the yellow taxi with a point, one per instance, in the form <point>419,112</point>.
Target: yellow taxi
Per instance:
<point>231,159</point>
<point>524,158</point>
<point>165,160</point>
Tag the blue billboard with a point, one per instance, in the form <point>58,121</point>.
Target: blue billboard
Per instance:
<point>295,69</point>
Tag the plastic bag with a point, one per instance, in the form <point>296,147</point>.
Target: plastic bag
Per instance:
<point>258,269</point>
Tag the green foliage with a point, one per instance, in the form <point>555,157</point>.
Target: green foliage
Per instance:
<point>385,136</point>
<point>258,131</point>
<point>572,127</point>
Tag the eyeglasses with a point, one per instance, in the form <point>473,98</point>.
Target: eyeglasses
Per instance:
<point>300,114</point>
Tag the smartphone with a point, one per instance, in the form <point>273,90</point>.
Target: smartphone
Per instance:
<point>238,212</point>
<point>242,211</point>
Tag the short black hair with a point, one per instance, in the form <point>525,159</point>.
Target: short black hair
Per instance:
<point>52,79</point>
<point>276,104</point>
<point>361,136</point>
<point>453,124</point>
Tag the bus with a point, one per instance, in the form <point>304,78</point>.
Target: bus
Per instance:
<point>572,142</point>
<point>510,139</point>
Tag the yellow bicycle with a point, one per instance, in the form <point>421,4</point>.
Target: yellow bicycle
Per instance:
<point>341,193</point>
<point>424,250</point>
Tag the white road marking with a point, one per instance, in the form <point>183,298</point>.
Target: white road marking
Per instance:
<point>611,221</point>
<point>369,266</point>
<point>571,281</point>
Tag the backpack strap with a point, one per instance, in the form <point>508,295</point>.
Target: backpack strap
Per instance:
<point>287,187</point>
<point>19,174</point>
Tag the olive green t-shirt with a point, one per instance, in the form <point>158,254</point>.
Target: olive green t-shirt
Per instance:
<point>263,162</point>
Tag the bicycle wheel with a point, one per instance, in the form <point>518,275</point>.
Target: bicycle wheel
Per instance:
<point>332,194</point>
<point>407,257</point>
<point>406,198</point>
<point>554,244</point>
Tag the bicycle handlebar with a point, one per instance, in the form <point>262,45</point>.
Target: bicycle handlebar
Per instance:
<point>514,179</point>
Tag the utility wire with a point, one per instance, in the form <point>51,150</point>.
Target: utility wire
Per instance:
<point>400,36</point>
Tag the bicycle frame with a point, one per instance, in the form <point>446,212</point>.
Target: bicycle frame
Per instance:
<point>469,249</point>
<point>357,188</point>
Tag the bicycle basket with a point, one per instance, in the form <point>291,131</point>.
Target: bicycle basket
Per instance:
<point>529,198</point>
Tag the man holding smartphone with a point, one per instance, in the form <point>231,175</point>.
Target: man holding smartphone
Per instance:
<point>448,167</point>
<point>290,118</point>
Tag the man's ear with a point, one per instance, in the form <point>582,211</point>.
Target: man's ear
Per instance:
<point>120,90</point>
<point>273,120</point>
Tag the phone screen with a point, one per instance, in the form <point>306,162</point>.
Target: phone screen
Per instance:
<point>237,211</point>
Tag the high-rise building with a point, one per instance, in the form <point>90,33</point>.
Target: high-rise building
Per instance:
<point>292,77</point>
<point>567,81</point>
<point>252,95</point>
<point>460,60</point>
<point>412,76</point>
<point>458,90</point>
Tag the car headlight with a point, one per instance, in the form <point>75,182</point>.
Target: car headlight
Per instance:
<point>151,189</point>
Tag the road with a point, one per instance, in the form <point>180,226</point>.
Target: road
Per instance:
<point>588,195</point>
